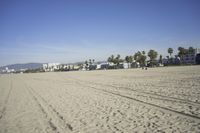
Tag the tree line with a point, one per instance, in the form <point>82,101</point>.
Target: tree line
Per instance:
<point>141,56</point>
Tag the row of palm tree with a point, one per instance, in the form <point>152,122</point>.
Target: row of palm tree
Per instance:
<point>181,52</point>
<point>141,56</point>
<point>91,61</point>
<point>115,60</point>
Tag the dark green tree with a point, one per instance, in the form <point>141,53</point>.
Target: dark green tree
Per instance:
<point>170,51</point>
<point>143,58</point>
<point>191,50</point>
<point>160,59</point>
<point>137,56</point>
<point>90,61</point>
<point>129,59</point>
<point>152,55</point>
<point>181,52</point>
<point>111,59</point>
<point>117,60</point>
<point>140,57</point>
<point>86,62</point>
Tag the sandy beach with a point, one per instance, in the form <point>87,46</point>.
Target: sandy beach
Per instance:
<point>123,101</point>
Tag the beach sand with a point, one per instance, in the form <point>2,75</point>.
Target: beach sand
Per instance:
<point>123,101</point>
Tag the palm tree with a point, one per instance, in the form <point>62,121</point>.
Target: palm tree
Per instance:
<point>129,59</point>
<point>117,60</point>
<point>182,52</point>
<point>152,55</point>
<point>160,59</point>
<point>90,61</point>
<point>191,50</point>
<point>86,63</point>
<point>118,56</point>
<point>140,57</point>
<point>143,52</point>
<point>170,51</point>
<point>143,58</point>
<point>111,58</point>
<point>137,56</point>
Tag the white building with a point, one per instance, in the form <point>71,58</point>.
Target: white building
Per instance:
<point>98,66</point>
<point>7,70</point>
<point>191,58</point>
<point>124,65</point>
<point>49,67</point>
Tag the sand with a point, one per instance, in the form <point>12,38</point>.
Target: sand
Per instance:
<point>122,101</point>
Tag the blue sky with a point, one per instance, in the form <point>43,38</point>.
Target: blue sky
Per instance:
<point>72,30</point>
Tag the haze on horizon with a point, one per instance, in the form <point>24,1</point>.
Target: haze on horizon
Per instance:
<point>72,30</point>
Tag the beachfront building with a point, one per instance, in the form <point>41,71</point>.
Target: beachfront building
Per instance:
<point>76,67</point>
<point>98,66</point>
<point>7,70</point>
<point>191,58</point>
<point>135,64</point>
<point>124,65</point>
<point>67,67</point>
<point>50,67</point>
<point>198,58</point>
<point>171,61</point>
<point>101,66</point>
<point>92,67</point>
<point>83,67</point>
<point>63,66</point>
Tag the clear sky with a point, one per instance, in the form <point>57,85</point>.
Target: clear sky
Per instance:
<point>72,30</point>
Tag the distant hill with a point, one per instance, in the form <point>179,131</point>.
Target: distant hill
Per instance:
<point>82,62</point>
<point>23,66</point>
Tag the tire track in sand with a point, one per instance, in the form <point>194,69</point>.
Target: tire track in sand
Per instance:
<point>148,94</point>
<point>193,107</point>
<point>55,120</point>
<point>197,118</point>
<point>6,100</point>
<point>159,97</point>
<point>143,94</point>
